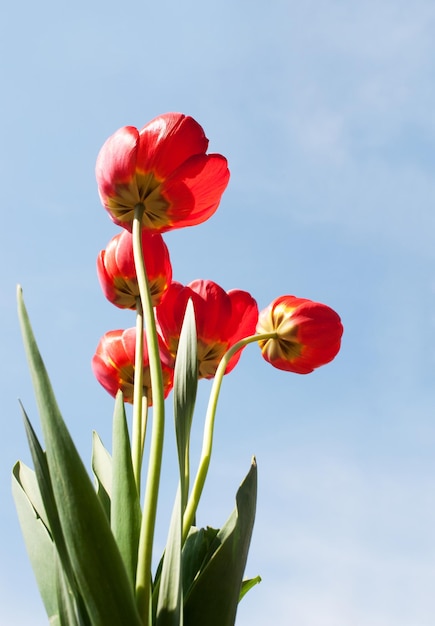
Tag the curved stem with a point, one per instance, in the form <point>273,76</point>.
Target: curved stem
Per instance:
<point>136,452</point>
<point>207,444</point>
<point>143,577</point>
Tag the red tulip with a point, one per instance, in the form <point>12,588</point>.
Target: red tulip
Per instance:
<point>163,167</point>
<point>113,364</point>
<point>308,334</point>
<point>222,319</point>
<point>117,273</point>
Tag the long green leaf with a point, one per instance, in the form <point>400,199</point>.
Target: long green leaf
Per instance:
<point>66,601</point>
<point>46,508</point>
<point>102,468</point>
<point>49,508</point>
<point>125,512</point>
<point>95,558</point>
<point>214,595</point>
<point>185,387</point>
<point>29,484</point>
<point>40,547</point>
<point>169,583</point>
<point>169,611</point>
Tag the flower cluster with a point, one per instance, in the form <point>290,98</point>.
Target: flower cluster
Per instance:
<point>151,181</point>
<point>163,173</point>
<point>102,535</point>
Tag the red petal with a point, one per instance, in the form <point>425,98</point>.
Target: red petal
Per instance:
<point>168,141</point>
<point>170,314</point>
<point>116,161</point>
<point>212,311</point>
<point>195,190</point>
<point>119,256</point>
<point>244,317</point>
<point>244,314</point>
<point>104,277</point>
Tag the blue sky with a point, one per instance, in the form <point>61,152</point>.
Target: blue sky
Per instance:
<point>326,113</point>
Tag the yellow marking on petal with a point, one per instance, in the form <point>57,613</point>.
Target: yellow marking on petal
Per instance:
<point>145,189</point>
<point>209,356</point>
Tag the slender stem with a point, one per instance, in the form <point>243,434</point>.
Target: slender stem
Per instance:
<point>207,444</point>
<point>144,421</point>
<point>143,577</point>
<point>137,435</point>
<point>185,492</point>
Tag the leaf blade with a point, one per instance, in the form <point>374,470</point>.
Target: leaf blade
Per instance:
<point>39,545</point>
<point>102,468</point>
<point>169,605</point>
<point>125,511</point>
<point>184,393</point>
<point>215,592</point>
<point>95,558</point>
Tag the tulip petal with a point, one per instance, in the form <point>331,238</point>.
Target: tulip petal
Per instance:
<point>167,142</point>
<point>116,161</point>
<point>117,271</point>
<point>221,320</point>
<point>195,189</point>
<point>114,362</point>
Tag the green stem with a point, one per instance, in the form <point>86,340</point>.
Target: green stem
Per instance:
<point>185,492</point>
<point>207,444</point>
<point>137,435</point>
<point>144,421</point>
<point>143,577</point>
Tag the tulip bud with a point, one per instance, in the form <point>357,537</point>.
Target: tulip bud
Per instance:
<point>117,273</point>
<point>113,364</point>
<point>308,334</point>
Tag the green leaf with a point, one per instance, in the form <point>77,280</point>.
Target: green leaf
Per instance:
<point>102,468</point>
<point>65,598</point>
<point>185,387</point>
<point>169,603</point>
<point>197,551</point>
<point>40,547</point>
<point>125,513</point>
<point>48,510</point>
<point>29,484</point>
<point>248,584</point>
<point>214,595</point>
<point>98,567</point>
<point>168,583</point>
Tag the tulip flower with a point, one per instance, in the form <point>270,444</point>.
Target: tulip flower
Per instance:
<point>308,334</point>
<point>117,273</point>
<point>222,319</point>
<point>165,169</point>
<point>113,364</point>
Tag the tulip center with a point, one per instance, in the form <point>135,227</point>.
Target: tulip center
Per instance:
<point>209,356</point>
<point>143,189</point>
